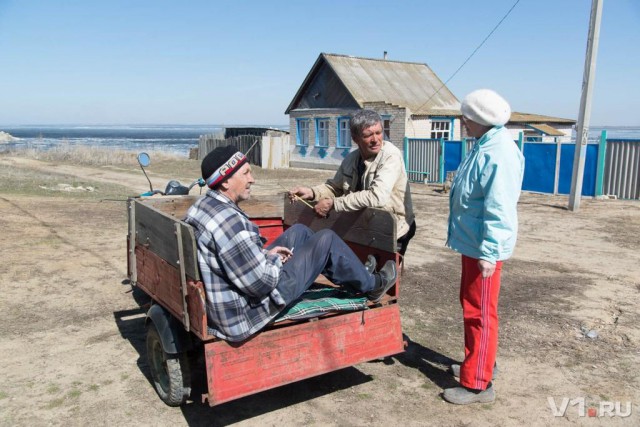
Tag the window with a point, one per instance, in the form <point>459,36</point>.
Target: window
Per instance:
<point>322,132</point>
<point>303,132</point>
<point>386,127</point>
<point>441,128</point>
<point>344,134</point>
<point>531,136</point>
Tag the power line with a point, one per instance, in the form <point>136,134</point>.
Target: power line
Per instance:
<point>472,53</point>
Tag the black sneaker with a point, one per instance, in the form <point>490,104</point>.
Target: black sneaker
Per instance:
<point>385,280</point>
<point>371,264</point>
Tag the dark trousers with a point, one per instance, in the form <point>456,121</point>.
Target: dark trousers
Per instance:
<point>403,242</point>
<point>317,253</point>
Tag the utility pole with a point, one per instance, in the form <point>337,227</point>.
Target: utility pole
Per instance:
<point>582,129</point>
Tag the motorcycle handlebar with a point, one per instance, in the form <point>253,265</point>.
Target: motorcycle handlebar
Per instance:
<point>198,181</point>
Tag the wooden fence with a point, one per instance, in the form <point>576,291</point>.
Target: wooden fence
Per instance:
<point>208,143</point>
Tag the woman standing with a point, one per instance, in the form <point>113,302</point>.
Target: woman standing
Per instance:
<point>483,227</point>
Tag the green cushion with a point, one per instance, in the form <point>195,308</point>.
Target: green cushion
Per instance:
<point>319,300</point>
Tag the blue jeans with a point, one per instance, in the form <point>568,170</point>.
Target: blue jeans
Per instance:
<point>319,253</point>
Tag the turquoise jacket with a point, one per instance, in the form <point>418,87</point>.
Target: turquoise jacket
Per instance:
<point>483,215</point>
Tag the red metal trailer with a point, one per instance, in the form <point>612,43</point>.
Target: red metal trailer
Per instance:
<point>162,261</point>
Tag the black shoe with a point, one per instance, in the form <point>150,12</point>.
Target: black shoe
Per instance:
<point>385,280</point>
<point>371,264</point>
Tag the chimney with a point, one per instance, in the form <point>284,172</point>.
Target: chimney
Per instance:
<point>384,55</point>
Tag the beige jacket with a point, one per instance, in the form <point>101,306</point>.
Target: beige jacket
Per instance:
<point>385,186</point>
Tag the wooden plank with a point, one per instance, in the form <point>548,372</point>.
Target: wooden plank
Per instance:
<point>256,207</point>
<point>174,206</point>
<point>196,303</point>
<point>159,280</point>
<point>368,227</point>
<point>190,251</point>
<point>183,277</point>
<point>131,242</point>
<point>264,206</point>
<point>156,231</point>
<point>281,356</point>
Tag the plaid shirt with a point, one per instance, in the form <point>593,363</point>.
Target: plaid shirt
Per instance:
<point>239,277</point>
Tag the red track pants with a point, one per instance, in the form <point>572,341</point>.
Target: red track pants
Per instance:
<point>479,299</point>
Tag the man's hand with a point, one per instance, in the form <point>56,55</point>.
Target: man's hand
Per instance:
<point>323,207</point>
<point>284,253</point>
<point>304,193</point>
<point>486,268</point>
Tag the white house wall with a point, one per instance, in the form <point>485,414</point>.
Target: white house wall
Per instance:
<point>420,127</point>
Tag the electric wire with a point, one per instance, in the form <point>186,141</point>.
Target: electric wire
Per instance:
<point>472,53</point>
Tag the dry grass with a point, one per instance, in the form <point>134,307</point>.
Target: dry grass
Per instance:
<point>24,181</point>
<point>163,164</point>
<point>88,156</point>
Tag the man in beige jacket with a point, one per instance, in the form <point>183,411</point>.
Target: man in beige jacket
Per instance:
<point>372,176</point>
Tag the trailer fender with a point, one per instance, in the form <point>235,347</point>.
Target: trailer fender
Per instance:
<point>172,334</point>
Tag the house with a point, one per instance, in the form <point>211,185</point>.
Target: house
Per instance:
<point>409,96</point>
<point>411,99</point>
<point>538,128</point>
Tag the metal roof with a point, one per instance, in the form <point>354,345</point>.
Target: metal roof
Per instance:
<point>406,84</point>
<point>547,130</point>
<point>537,118</point>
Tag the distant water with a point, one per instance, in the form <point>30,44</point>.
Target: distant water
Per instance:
<point>615,132</point>
<point>178,139</point>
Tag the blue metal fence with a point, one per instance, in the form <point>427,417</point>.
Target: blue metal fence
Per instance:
<point>548,166</point>
<point>540,167</point>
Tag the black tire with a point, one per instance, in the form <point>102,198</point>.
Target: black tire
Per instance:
<point>170,372</point>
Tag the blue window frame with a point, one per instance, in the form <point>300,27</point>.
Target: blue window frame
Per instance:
<point>302,126</point>
<point>344,134</point>
<point>322,132</point>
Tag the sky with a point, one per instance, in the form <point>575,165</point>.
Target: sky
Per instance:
<point>241,62</point>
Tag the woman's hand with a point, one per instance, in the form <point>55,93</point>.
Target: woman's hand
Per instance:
<point>486,268</point>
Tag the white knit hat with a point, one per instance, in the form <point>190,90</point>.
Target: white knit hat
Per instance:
<point>486,108</point>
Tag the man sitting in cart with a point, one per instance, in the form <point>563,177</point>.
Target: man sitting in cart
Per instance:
<point>248,285</point>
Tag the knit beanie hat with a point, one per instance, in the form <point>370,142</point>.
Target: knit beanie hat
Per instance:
<point>220,164</point>
<point>486,108</point>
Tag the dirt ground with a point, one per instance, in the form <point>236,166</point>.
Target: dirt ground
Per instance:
<point>72,335</point>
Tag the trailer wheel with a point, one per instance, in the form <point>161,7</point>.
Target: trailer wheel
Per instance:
<point>170,372</point>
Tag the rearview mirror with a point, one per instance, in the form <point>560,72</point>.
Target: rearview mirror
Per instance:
<point>144,160</point>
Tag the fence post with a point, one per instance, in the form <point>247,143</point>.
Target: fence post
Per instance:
<point>442,172</point>
<point>556,179</point>
<point>602,154</point>
<point>463,150</point>
<point>405,153</point>
<point>520,142</point>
